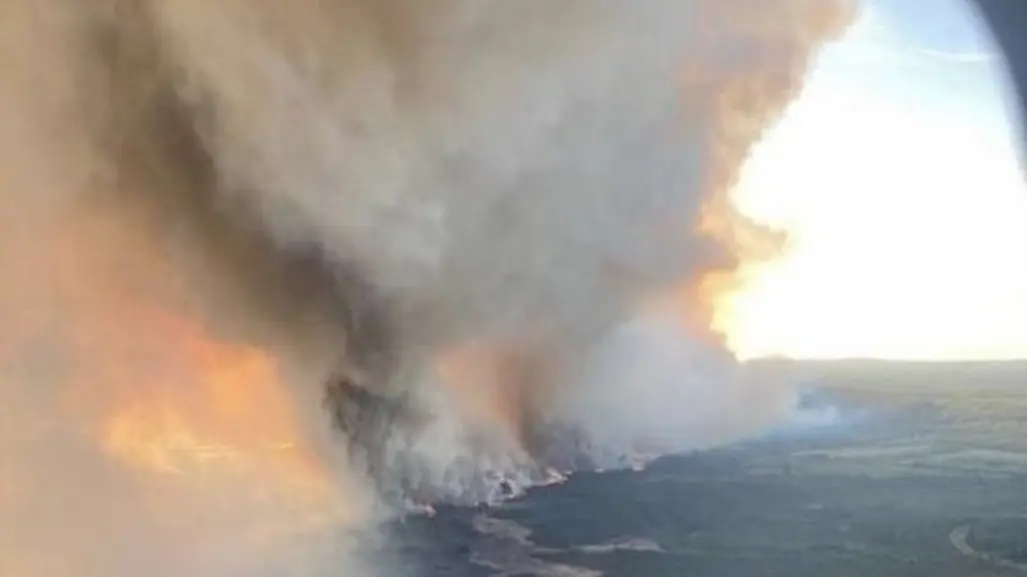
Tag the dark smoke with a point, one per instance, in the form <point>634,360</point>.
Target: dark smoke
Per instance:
<point>442,218</point>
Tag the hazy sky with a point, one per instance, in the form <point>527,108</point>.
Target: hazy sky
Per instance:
<point>897,175</point>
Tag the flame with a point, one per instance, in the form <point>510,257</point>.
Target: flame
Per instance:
<point>222,421</point>
<point>186,432</point>
<point>142,375</point>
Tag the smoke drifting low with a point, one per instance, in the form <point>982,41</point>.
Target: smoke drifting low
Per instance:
<point>272,270</point>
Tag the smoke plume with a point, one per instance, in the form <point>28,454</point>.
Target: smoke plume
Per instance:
<point>272,271</point>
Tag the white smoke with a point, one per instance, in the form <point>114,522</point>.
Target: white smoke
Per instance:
<point>651,391</point>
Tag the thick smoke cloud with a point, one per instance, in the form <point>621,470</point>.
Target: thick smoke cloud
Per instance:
<point>271,269</point>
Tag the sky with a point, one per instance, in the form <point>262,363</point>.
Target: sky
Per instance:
<point>897,176</point>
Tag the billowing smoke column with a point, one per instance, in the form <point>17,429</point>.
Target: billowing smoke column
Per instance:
<point>361,252</point>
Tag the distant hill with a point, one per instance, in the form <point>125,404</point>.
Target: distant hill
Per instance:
<point>862,373</point>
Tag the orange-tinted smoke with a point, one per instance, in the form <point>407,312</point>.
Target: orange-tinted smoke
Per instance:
<point>134,427</point>
<point>742,78</point>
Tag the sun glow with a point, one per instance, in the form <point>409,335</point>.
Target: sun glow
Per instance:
<point>906,218</point>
